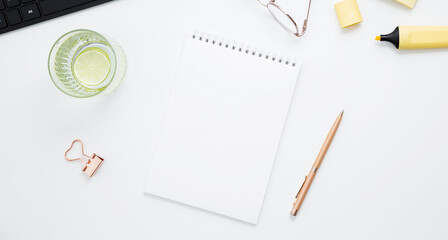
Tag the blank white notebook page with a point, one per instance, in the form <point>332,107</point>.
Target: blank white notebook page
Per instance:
<point>222,128</point>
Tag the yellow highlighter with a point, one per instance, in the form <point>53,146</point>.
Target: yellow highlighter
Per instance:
<point>415,37</point>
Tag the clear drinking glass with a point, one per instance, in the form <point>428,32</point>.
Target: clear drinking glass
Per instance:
<point>84,63</point>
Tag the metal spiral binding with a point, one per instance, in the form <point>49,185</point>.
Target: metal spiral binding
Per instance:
<point>241,47</point>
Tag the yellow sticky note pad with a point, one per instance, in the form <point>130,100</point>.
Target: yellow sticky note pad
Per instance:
<point>407,3</point>
<point>348,13</point>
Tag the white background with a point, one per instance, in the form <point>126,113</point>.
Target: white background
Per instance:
<point>384,176</point>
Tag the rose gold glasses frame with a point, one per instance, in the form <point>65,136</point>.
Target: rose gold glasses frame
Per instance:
<point>305,22</point>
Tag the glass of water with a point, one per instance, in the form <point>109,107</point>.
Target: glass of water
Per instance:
<point>84,63</point>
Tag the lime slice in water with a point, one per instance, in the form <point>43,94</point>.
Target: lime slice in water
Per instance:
<point>92,67</point>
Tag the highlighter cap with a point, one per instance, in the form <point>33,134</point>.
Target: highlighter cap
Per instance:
<point>407,3</point>
<point>348,13</point>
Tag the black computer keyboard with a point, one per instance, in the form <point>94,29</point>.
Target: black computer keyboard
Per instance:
<point>15,14</point>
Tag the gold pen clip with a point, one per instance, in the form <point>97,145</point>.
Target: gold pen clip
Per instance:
<point>301,186</point>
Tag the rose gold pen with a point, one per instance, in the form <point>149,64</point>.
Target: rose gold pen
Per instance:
<point>309,179</point>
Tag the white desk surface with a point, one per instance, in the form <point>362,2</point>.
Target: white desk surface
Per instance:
<point>384,176</point>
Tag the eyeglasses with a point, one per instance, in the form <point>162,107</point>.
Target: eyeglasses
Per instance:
<point>284,19</point>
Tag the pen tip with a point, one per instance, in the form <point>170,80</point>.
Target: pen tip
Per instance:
<point>342,113</point>
<point>378,38</point>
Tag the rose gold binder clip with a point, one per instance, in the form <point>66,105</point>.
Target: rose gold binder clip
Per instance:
<point>91,165</point>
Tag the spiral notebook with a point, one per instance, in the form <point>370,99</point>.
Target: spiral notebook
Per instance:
<point>222,127</point>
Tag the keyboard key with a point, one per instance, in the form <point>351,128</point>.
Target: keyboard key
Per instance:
<point>27,1</point>
<point>52,6</point>
<point>2,21</point>
<point>2,5</point>
<point>30,12</point>
<point>12,3</point>
<point>13,17</point>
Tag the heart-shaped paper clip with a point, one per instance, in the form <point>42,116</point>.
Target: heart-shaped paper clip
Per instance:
<point>82,151</point>
<point>91,165</point>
